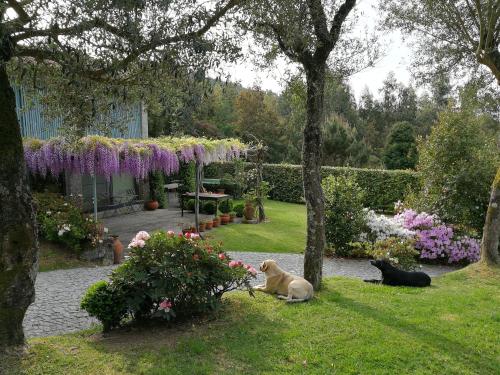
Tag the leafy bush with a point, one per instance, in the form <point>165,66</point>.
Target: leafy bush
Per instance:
<point>457,165</point>
<point>400,252</point>
<point>382,187</point>
<point>344,215</point>
<point>157,189</point>
<point>62,221</point>
<point>190,204</point>
<point>170,276</point>
<point>239,208</point>
<point>209,208</point>
<point>380,227</point>
<point>105,304</point>
<point>226,206</point>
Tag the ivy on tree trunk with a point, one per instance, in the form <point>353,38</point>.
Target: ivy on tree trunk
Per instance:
<point>18,241</point>
<point>490,251</point>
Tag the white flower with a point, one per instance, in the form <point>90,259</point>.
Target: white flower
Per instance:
<point>65,204</point>
<point>49,212</point>
<point>60,232</point>
<point>100,241</point>
<point>106,230</point>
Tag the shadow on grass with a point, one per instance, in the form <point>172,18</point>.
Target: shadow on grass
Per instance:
<point>455,349</point>
<point>233,343</point>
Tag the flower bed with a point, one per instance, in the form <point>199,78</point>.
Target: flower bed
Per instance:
<point>167,276</point>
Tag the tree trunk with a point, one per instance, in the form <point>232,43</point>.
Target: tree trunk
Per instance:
<point>18,242</point>
<point>490,251</point>
<point>311,170</point>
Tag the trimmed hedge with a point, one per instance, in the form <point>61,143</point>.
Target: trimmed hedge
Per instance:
<point>382,187</point>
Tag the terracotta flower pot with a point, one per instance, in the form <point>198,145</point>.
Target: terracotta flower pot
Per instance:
<point>231,218</point>
<point>151,205</point>
<point>216,222</point>
<point>224,219</point>
<point>220,191</point>
<point>201,227</point>
<point>249,211</point>
<point>117,250</point>
<point>209,224</point>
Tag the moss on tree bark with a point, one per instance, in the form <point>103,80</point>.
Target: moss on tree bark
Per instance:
<point>490,251</point>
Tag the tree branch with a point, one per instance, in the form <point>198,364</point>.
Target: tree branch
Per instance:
<point>319,21</point>
<point>339,19</point>
<point>18,8</point>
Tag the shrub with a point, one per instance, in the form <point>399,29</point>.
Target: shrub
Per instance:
<point>157,189</point>
<point>382,187</point>
<point>190,204</point>
<point>437,241</point>
<point>62,221</point>
<point>105,304</point>
<point>380,227</point>
<point>239,208</point>
<point>400,252</point>
<point>226,206</point>
<point>344,215</point>
<point>209,207</point>
<point>457,164</point>
<point>171,276</point>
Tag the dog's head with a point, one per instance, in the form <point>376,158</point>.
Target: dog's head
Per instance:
<point>380,264</point>
<point>267,265</point>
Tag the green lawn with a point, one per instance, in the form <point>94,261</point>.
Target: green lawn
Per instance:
<point>349,328</point>
<point>55,257</point>
<point>285,232</point>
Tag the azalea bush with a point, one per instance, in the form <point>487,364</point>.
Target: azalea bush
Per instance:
<point>61,220</point>
<point>380,227</point>
<point>169,276</point>
<point>400,252</point>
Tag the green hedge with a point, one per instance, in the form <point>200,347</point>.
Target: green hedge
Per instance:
<point>382,187</point>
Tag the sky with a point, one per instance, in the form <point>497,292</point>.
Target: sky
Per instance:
<point>396,58</point>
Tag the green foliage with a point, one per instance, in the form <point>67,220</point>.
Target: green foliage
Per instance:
<point>104,303</point>
<point>382,187</point>
<point>209,207</point>
<point>399,252</point>
<point>344,215</point>
<point>401,149</point>
<point>62,221</point>
<point>168,277</point>
<point>226,206</point>
<point>157,190</point>
<point>238,209</point>
<point>457,164</point>
<point>190,204</point>
<point>187,177</point>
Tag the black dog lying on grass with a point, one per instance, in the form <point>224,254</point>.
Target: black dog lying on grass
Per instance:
<point>396,277</point>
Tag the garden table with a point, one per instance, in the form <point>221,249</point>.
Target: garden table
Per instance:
<point>207,197</point>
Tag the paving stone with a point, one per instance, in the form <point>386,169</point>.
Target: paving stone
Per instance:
<point>56,309</point>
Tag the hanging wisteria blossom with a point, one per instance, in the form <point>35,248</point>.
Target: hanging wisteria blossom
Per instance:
<point>107,156</point>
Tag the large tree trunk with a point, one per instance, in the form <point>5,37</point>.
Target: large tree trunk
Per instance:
<point>311,170</point>
<point>490,251</point>
<point>18,242</point>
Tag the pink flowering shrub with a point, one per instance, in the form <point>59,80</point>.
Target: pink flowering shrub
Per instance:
<point>172,275</point>
<point>438,241</point>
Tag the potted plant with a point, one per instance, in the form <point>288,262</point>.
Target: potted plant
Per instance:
<point>232,215</point>
<point>249,210</point>
<point>201,226</point>
<point>208,224</point>
<point>216,222</point>
<point>225,207</point>
<point>151,205</point>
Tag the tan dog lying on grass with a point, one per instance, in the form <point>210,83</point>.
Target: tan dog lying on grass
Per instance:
<point>287,286</point>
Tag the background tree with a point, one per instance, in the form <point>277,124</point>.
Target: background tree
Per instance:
<point>401,149</point>
<point>82,42</point>
<point>307,32</point>
<point>456,37</point>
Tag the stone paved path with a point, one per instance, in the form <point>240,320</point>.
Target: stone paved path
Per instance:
<point>58,293</point>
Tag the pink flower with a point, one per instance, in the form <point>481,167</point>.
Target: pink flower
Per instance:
<point>132,243</point>
<point>233,264</point>
<point>252,270</point>
<point>195,236</point>
<point>165,305</point>
<point>196,257</point>
<point>222,256</point>
<point>142,235</point>
<point>140,243</point>
<point>187,235</point>
<point>170,233</point>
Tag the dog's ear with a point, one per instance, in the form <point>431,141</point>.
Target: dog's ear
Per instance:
<point>264,266</point>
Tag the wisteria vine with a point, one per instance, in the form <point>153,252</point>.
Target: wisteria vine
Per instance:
<point>107,156</point>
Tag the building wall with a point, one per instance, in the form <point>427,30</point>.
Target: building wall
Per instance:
<point>35,125</point>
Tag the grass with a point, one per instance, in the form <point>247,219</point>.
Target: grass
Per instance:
<point>350,327</point>
<point>285,232</point>
<point>55,257</point>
